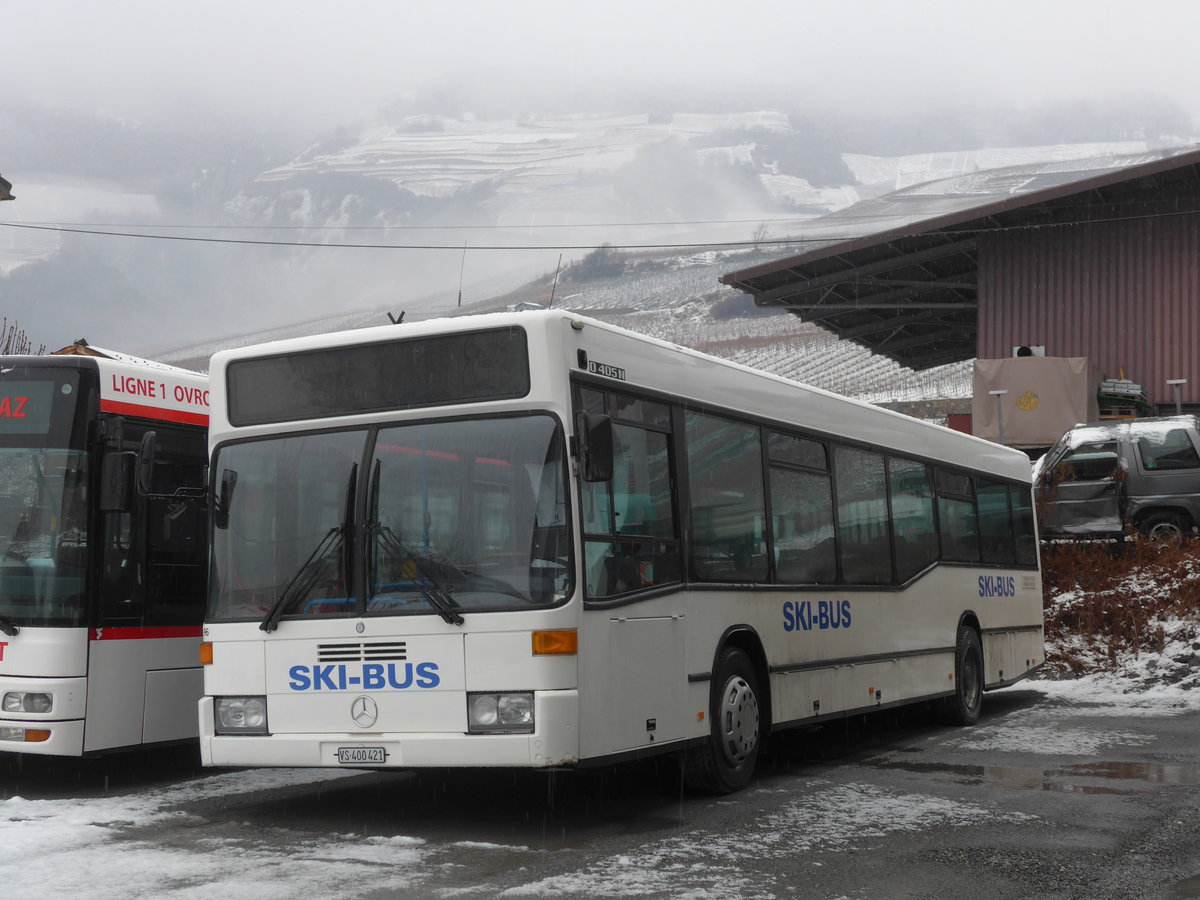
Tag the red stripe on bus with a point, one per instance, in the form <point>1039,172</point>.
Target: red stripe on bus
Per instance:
<point>144,634</point>
<point>153,412</point>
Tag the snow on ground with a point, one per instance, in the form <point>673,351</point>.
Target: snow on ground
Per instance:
<point>93,846</point>
<point>830,817</point>
<point>76,844</point>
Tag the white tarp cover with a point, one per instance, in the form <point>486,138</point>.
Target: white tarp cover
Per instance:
<point>1045,396</point>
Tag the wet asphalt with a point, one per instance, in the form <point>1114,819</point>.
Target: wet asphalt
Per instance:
<point>1041,799</point>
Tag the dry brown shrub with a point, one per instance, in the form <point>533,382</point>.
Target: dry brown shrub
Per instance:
<point>1103,600</point>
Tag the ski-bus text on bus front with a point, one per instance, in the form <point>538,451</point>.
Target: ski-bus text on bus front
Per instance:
<point>365,677</point>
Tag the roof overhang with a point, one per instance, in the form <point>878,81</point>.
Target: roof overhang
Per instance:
<point>909,291</point>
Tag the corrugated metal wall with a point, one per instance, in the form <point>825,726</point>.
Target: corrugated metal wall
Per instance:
<point>1124,293</point>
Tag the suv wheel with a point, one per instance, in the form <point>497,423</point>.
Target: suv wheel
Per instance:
<point>1168,527</point>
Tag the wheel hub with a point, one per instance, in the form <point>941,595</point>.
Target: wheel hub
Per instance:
<point>739,721</point>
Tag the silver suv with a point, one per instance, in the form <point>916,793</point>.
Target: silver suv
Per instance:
<point>1101,480</point>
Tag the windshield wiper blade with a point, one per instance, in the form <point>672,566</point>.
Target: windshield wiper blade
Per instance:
<point>9,627</point>
<point>436,594</point>
<point>305,578</point>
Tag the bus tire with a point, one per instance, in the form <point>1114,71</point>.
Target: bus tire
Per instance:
<point>725,762</point>
<point>962,707</point>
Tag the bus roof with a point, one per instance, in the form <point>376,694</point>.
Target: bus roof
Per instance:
<point>706,380</point>
<point>135,387</point>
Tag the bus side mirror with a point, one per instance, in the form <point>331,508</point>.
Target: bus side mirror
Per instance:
<point>595,435</point>
<point>224,496</point>
<point>145,462</point>
<point>116,479</point>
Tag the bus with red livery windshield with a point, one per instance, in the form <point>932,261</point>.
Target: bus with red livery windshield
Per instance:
<point>102,551</point>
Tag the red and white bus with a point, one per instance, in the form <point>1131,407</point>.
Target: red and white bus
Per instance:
<point>102,579</point>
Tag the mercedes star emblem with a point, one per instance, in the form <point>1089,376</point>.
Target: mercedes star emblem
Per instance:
<point>364,712</point>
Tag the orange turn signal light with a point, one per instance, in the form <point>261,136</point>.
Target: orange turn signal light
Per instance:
<point>36,735</point>
<point>555,643</point>
<point>206,653</point>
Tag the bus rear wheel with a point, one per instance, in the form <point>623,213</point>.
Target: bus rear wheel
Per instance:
<point>725,762</point>
<point>962,707</point>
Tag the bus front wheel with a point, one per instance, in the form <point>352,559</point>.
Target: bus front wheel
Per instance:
<point>725,762</point>
<point>962,707</point>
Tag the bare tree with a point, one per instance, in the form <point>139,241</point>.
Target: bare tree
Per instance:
<point>14,340</point>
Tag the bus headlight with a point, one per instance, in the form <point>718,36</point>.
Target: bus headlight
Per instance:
<point>28,701</point>
<point>241,715</point>
<point>503,713</point>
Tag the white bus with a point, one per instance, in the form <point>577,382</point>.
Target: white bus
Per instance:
<point>536,540</point>
<point>102,580</point>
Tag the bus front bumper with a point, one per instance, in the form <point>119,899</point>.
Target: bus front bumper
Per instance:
<point>554,743</point>
<point>56,732</point>
<point>45,738</point>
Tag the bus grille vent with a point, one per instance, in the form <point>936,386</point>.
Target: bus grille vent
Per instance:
<point>362,652</point>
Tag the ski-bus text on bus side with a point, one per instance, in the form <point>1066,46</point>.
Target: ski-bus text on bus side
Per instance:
<point>997,586</point>
<point>805,615</point>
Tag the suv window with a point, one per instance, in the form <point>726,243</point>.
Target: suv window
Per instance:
<point>1096,461</point>
<point>1170,450</point>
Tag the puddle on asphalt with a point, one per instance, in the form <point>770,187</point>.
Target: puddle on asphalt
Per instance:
<point>1060,779</point>
<point>1153,773</point>
<point>1189,887</point>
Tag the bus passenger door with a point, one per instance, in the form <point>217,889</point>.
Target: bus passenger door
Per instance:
<point>633,573</point>
<point>144,673</point>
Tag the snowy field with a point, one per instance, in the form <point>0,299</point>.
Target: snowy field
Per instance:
<point>151,842</point>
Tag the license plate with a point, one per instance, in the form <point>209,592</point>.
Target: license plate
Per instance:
<point>359,755</point>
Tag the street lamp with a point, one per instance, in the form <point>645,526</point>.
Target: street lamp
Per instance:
<point>999,412</point>
<point>1178,384</point>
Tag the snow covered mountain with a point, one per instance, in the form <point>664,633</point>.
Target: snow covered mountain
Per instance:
<point>419,212</point>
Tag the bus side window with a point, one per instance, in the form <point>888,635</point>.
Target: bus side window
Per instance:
<point>803,544</point>
<point>631,538</point>
<point>995,523</point>
<point>957,524</point>
<point>912,516</point>
<point>864,534</point>
<point>725,474</point>
<point>1024,529</point>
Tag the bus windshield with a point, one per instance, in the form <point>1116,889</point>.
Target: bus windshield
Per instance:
<point>43,536</point>
<point>437,518</point>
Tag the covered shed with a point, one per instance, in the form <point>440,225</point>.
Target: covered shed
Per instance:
<point>1096,258</point>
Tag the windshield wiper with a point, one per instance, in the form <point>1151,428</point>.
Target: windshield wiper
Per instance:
<point>305,579</point>
<point>331,545</point>
<point>9,627</point>
<point>436,594</point>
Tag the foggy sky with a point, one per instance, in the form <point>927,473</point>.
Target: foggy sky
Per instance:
<point>331,62</point>
<point>301,66</point>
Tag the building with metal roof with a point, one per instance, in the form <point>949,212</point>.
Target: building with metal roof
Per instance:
<point>1096,258</point>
